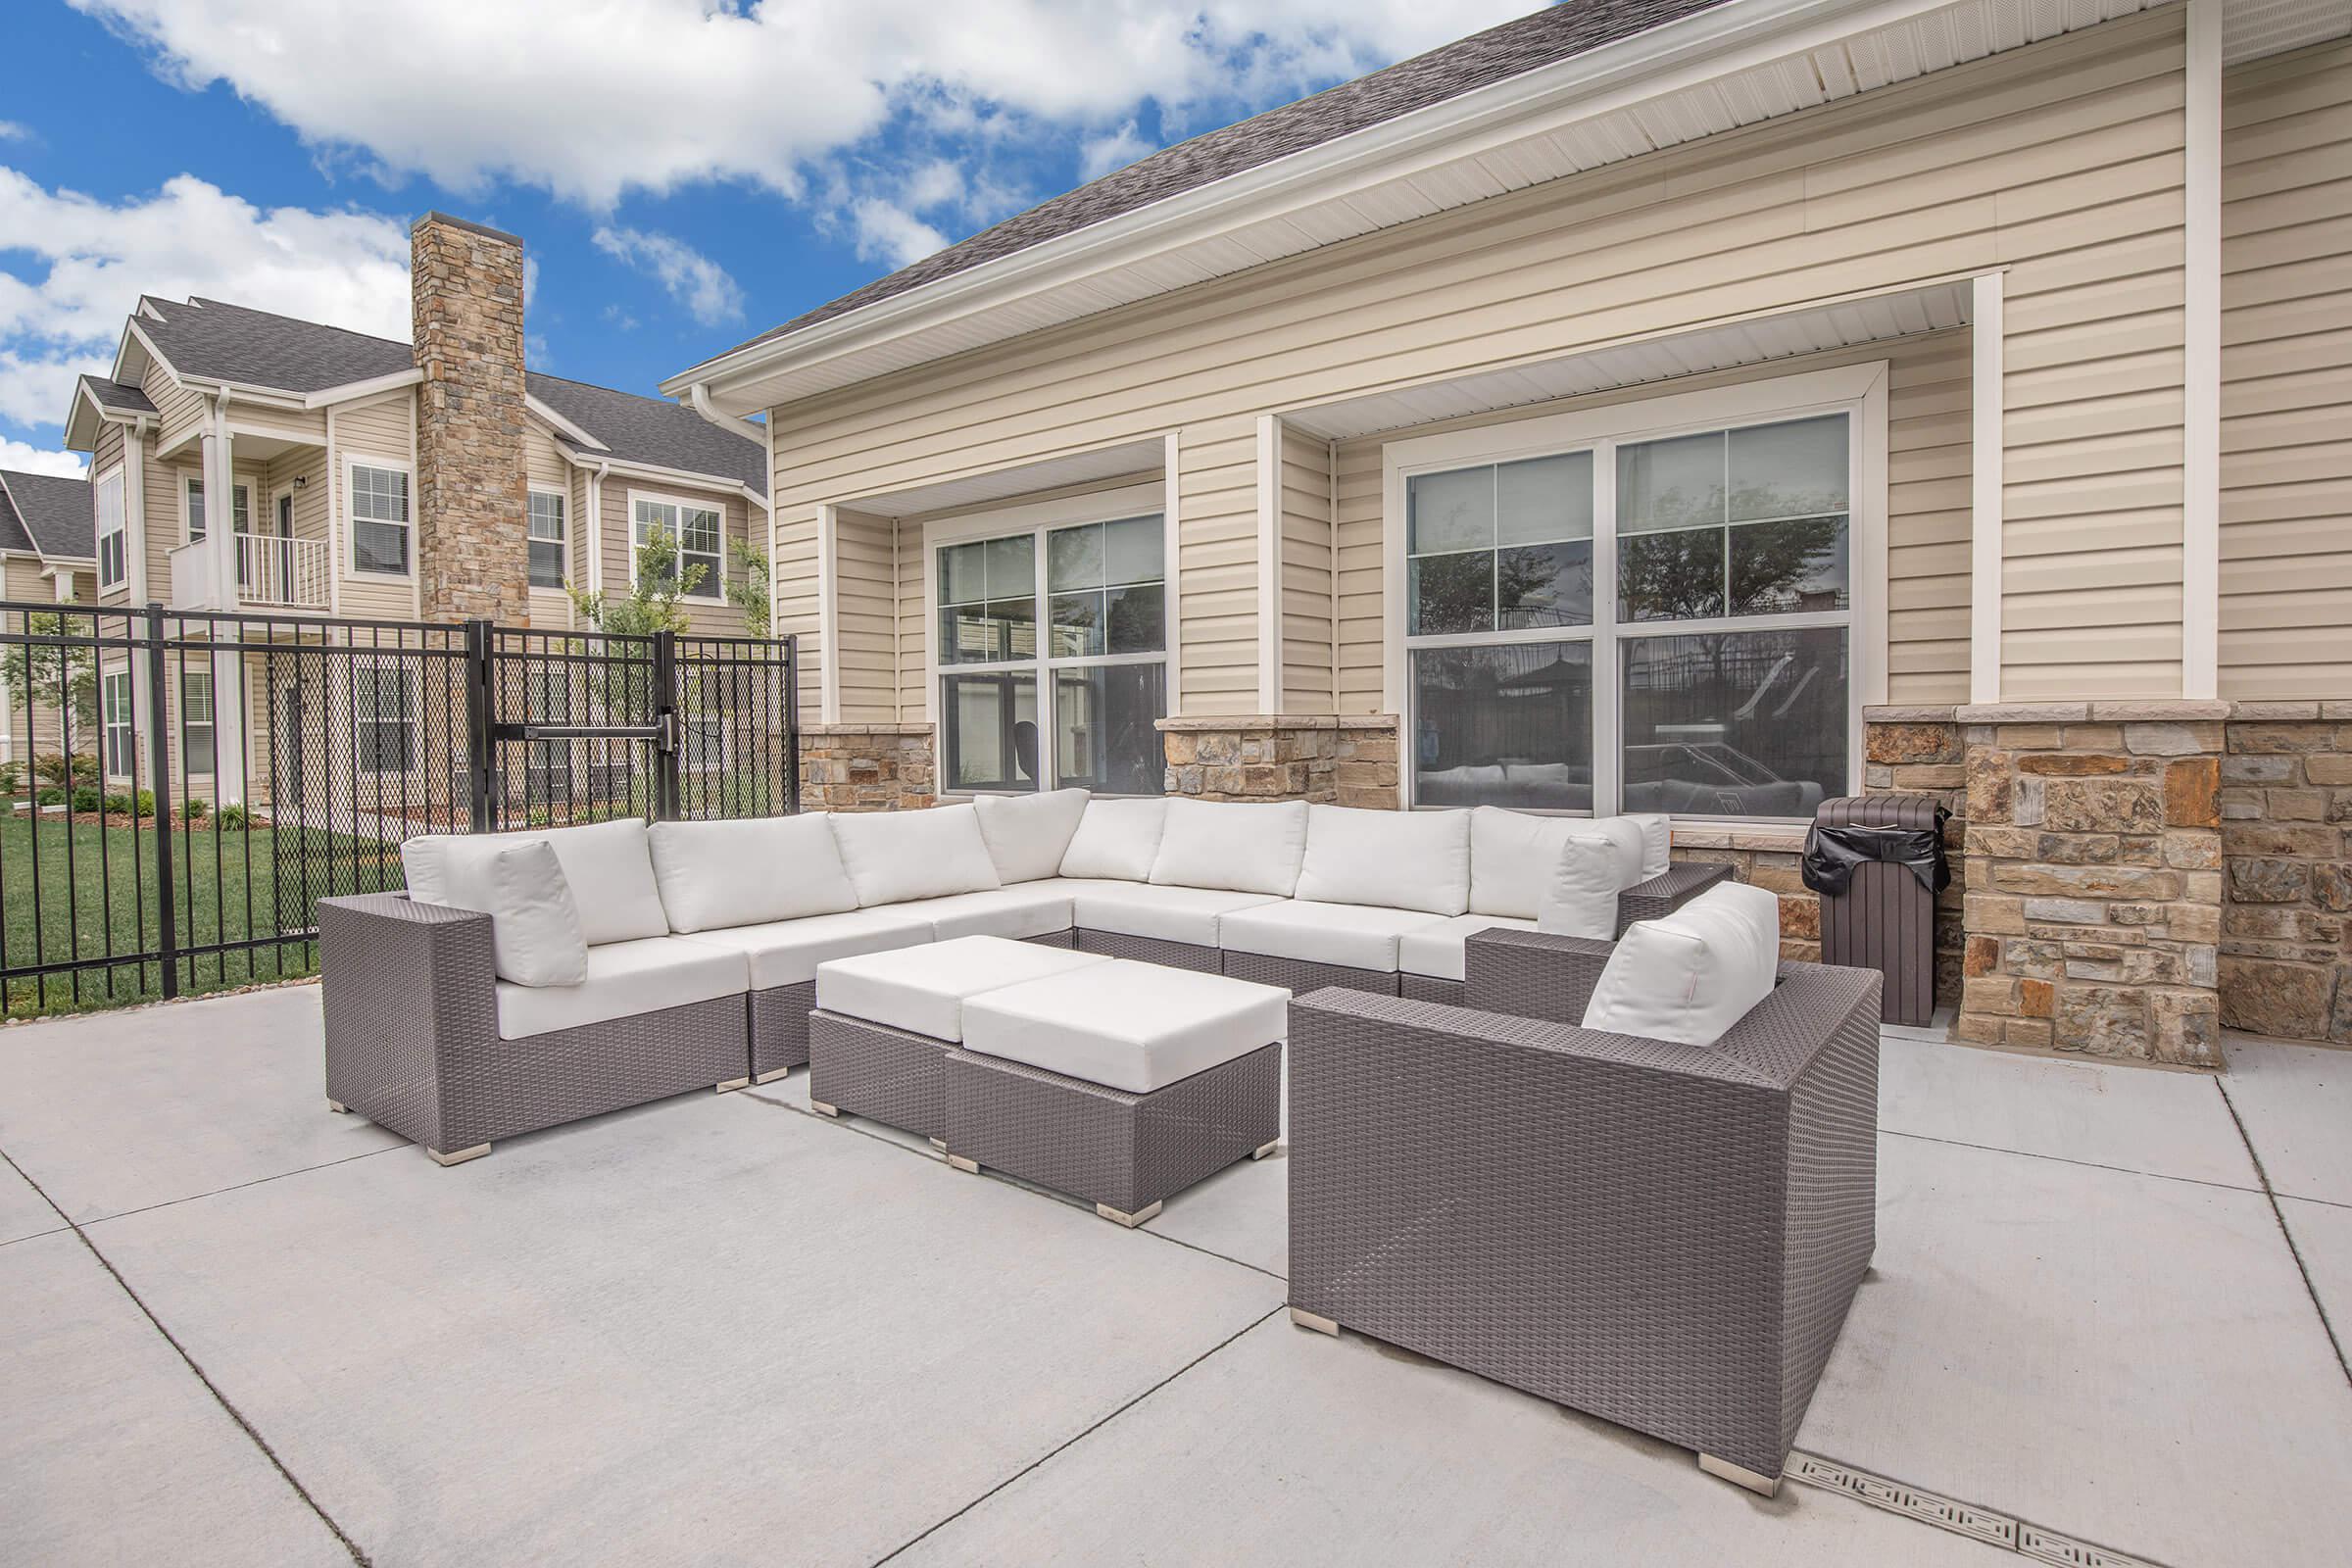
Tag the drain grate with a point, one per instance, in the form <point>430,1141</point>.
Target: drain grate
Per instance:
<point>1961,1518</point>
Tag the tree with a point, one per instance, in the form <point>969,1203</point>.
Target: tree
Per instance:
<point>651,602</point>
<point>60,676</point>
<point>749,592</point>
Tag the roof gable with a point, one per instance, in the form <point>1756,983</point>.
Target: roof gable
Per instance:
<point>649,430</point>
<point>211,341</point>
<point>55,514</point>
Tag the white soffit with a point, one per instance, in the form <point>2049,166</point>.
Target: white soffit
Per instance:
<point>1878,318</point>
<point>1126,461</point>
<point>2253,29</point>
<point>1551,140</point>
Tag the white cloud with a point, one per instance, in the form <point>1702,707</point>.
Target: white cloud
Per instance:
<point>650,94</point>
<point>349,268</point>
<point>889,232</point>
<point>19,458</point>
<point>692,279</point>
<point>10,131</point>
<point>1099,155</point>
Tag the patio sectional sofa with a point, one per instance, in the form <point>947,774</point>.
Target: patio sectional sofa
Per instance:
<point>467,1009</point>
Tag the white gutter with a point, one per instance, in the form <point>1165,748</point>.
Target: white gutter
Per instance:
<point>1665,59</point>
<point>353,390</point>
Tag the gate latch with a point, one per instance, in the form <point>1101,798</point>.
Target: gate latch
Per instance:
<point>666,730</point>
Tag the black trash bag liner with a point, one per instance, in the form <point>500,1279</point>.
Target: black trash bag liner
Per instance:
<point>1832,852</point>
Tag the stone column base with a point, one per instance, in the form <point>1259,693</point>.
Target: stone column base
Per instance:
<point>1333,759</point>
<point>866,767</point>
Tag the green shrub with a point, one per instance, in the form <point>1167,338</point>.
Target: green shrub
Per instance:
<point>232,815</point>
<point>194,811</point>
<point>12,779</point>
<point>118,802</point>
<point>58,768</point>
<point>87,797</point>
<point>51,796</point>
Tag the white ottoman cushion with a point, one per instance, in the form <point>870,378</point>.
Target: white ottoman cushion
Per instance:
<point>1131,1026</point>
<point>1235,845</point>
<point>786,953</point>
<point>1396,859</point>
<point>1691,975</point>
<point>1356,935</point>
<point>1172,914</point>
<point>924,990</point>
<point>1027,835</point>
<point>1437,950</point>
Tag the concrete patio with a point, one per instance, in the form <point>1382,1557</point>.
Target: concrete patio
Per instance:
<point>722,1329</point>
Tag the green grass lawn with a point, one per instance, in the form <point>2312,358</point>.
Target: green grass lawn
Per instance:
<point>98,883</point>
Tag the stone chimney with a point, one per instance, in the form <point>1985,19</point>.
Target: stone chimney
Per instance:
<point>472,506</point>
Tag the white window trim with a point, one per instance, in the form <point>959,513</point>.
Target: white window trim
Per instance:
<point>108,722</point>
<point>410,679</point>
<point>98,484</point>
<point>1037,516</point>
<point>563,503</point>
<point>248,482</point>
<point>1859,391</point>
<point>671,499</point>
<point>352,463</point>
<point>210,726</point>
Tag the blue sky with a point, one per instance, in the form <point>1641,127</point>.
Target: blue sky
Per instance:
<point>684,173</point>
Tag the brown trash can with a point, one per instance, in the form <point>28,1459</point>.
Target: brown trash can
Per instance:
<point>1884,915</point>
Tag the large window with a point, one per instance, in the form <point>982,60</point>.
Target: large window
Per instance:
<point>113,531</point>
<point>699,534</point>
<point>1648,623</point>
<point>384,699</point>
<point>547,539</point>
<point>379,520</point>
<point>1078,704</point>
<point>197,753</point>
<point>118,733</point>
<point>192,499</point>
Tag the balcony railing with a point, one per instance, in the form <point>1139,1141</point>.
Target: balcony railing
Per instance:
<point>282,573</point>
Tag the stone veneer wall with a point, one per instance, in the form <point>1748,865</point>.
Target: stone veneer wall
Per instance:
<point>1337,761</point>
<point>2286,853</point>
<point>866,767</point>
<point>470,512</point>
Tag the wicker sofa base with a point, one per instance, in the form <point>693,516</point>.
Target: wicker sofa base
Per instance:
<point>1122,1152</point>
<point>1163,950</point>
<point>1299,976</point>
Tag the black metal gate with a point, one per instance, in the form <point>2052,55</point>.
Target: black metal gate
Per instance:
<point>178,790</point>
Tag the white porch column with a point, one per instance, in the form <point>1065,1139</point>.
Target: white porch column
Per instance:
<point>229,726</point>
<point>2201,361</point>
<point>1985,330</point>
<point>219,509</point>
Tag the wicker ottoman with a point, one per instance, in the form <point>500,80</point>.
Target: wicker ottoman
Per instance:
<point>885,1022</point>
<point>1123,1083</point>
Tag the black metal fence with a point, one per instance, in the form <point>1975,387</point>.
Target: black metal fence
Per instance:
<point>178,790</point>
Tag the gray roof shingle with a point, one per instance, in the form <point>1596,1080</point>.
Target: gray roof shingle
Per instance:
<point>13,536</point>
<point>53,514</point>
<point>120,396</point>
<point>213,341</point>
<point>1553,35</point>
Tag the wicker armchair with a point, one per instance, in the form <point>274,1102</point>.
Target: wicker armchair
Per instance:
<point>1666,1236</point>
<point>412,1036</point>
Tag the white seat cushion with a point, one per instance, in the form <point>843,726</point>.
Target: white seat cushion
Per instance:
<point>1027,835</point>
<point>1116,838</point>
<point>892,857</point>
<point>786,953</point>
<point>607,864</point>
<point>1437,950</point>
<point>748,870</point>
<point>1172,914</point>
<point>1131,1026</point>
<point>1240,846</point>
<point>625,979</point>
<point>1397,859</point>
<point>924,990</point>
<point>1691,975</point>
<point>1597,860</point>
<point>1357,935</point>
<point>1030,909</point>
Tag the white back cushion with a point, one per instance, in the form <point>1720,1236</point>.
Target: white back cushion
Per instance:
<point>1511,859</point>
<point>892,857</point>
<point>747,872</point>
<point>1116,840</point>
<point>1657,842</point>
<point>1240,846</point>
<point>1397,859</point>
<point>1596,860</point>
<point>608,866</point>
<point>1691,975</point>
<point>535,935</point>
<point>1027,835</point>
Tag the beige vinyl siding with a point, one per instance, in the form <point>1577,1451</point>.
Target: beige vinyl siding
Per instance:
<point>544,469</point>
<point>2061,160</point>
<point>38,730</point>
<point>705,617</point>
<point>382,428</point>
<point>914,630</point>
<point>107,454</point>
<point>1306,558</point>
<point>865,611</point>
<point>306,425</point>
<point>1928,435</point>
<point>1217,549</point>
<point>180,409</point>
<point>2286,377</point>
